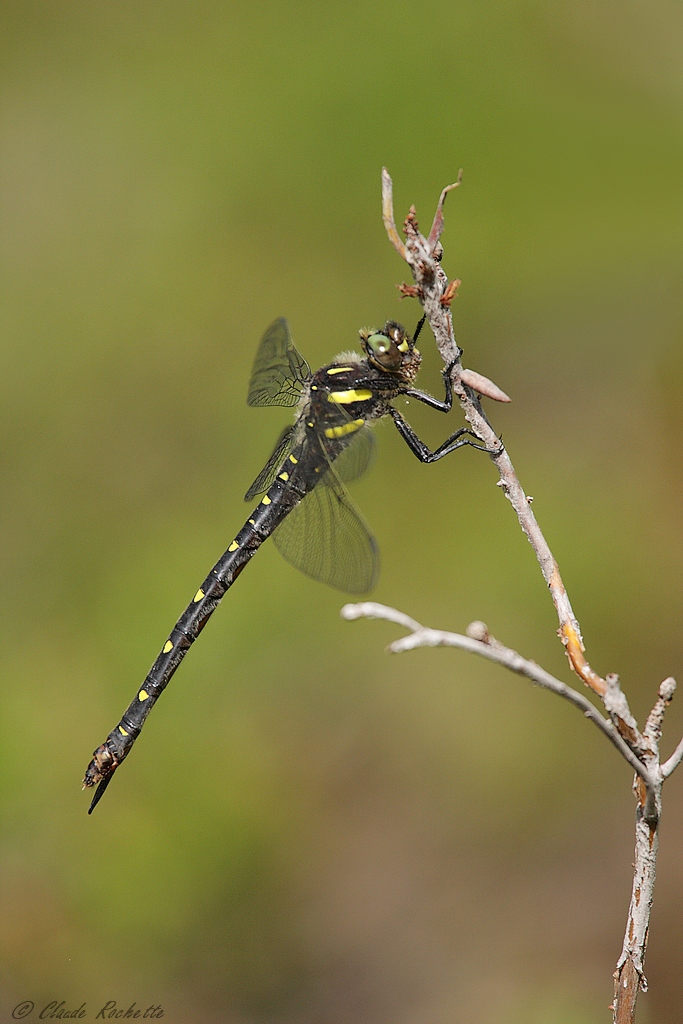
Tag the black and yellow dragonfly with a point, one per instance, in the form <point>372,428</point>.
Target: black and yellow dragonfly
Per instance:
<point>305,504</point>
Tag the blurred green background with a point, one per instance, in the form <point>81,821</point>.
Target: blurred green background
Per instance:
<point>310,831</point>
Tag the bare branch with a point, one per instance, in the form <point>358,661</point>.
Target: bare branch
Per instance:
<point>372,610</point>
<point>629,976</point>
<point>433,289</point>
<point>431,284</point>
<point>616,704</point>
<point>652,732</point>
<point>388,213</point>
<point>672,764</point>
<point>493,650</point>
<point>437,226</point>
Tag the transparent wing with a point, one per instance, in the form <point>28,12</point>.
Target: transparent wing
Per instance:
<point>267,474</point>
<point>279,370</point>
<point>357,456</point>
<point>326,537</point>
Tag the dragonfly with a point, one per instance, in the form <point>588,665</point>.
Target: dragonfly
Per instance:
<point>305,505</point>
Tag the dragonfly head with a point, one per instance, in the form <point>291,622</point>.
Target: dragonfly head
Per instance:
<point>391,350</point>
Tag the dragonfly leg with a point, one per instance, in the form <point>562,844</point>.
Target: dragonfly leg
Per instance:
<point>425,454</point>
<point>434,403</point>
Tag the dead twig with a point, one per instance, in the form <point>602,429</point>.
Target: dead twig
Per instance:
<point>431,284</point>
<point>629,977</point>
<point>479,641</point>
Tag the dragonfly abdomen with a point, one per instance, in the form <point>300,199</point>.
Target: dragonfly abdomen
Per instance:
<point>280,499</point>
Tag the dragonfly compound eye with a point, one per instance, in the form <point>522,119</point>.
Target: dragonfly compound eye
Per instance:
<point>383,351</point>
<point>379,344</point>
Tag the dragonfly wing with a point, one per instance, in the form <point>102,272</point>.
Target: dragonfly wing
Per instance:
<point>279,371</point>
<point>357,456</point>
<point>267,475</point>
<point>326,537</point>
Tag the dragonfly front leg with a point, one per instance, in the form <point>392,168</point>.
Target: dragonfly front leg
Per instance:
<point>425,454</point>
<point>389,384</point>
<point>434,403</point>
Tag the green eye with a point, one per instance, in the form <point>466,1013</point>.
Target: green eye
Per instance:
<point>379,343</point>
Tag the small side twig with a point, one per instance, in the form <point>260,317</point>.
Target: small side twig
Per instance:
<point>672,764</point>
<point>437,225</point>
<point>479,641</point>
<point>629,977</point>
<point>388,214</point>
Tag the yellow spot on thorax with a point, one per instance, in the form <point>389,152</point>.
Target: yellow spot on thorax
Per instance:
<point>122,731</point>
<point>234,546</point>
<point>265,500</point>
<point>168,646</point>
<point>143,695</point>
<point>345,428</point>
<point>338,369</point>
<point>346,397</point>
<point>252,522</point>
<point>198,596</point>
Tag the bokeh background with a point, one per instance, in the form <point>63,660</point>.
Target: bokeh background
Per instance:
<point>311,831</point>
